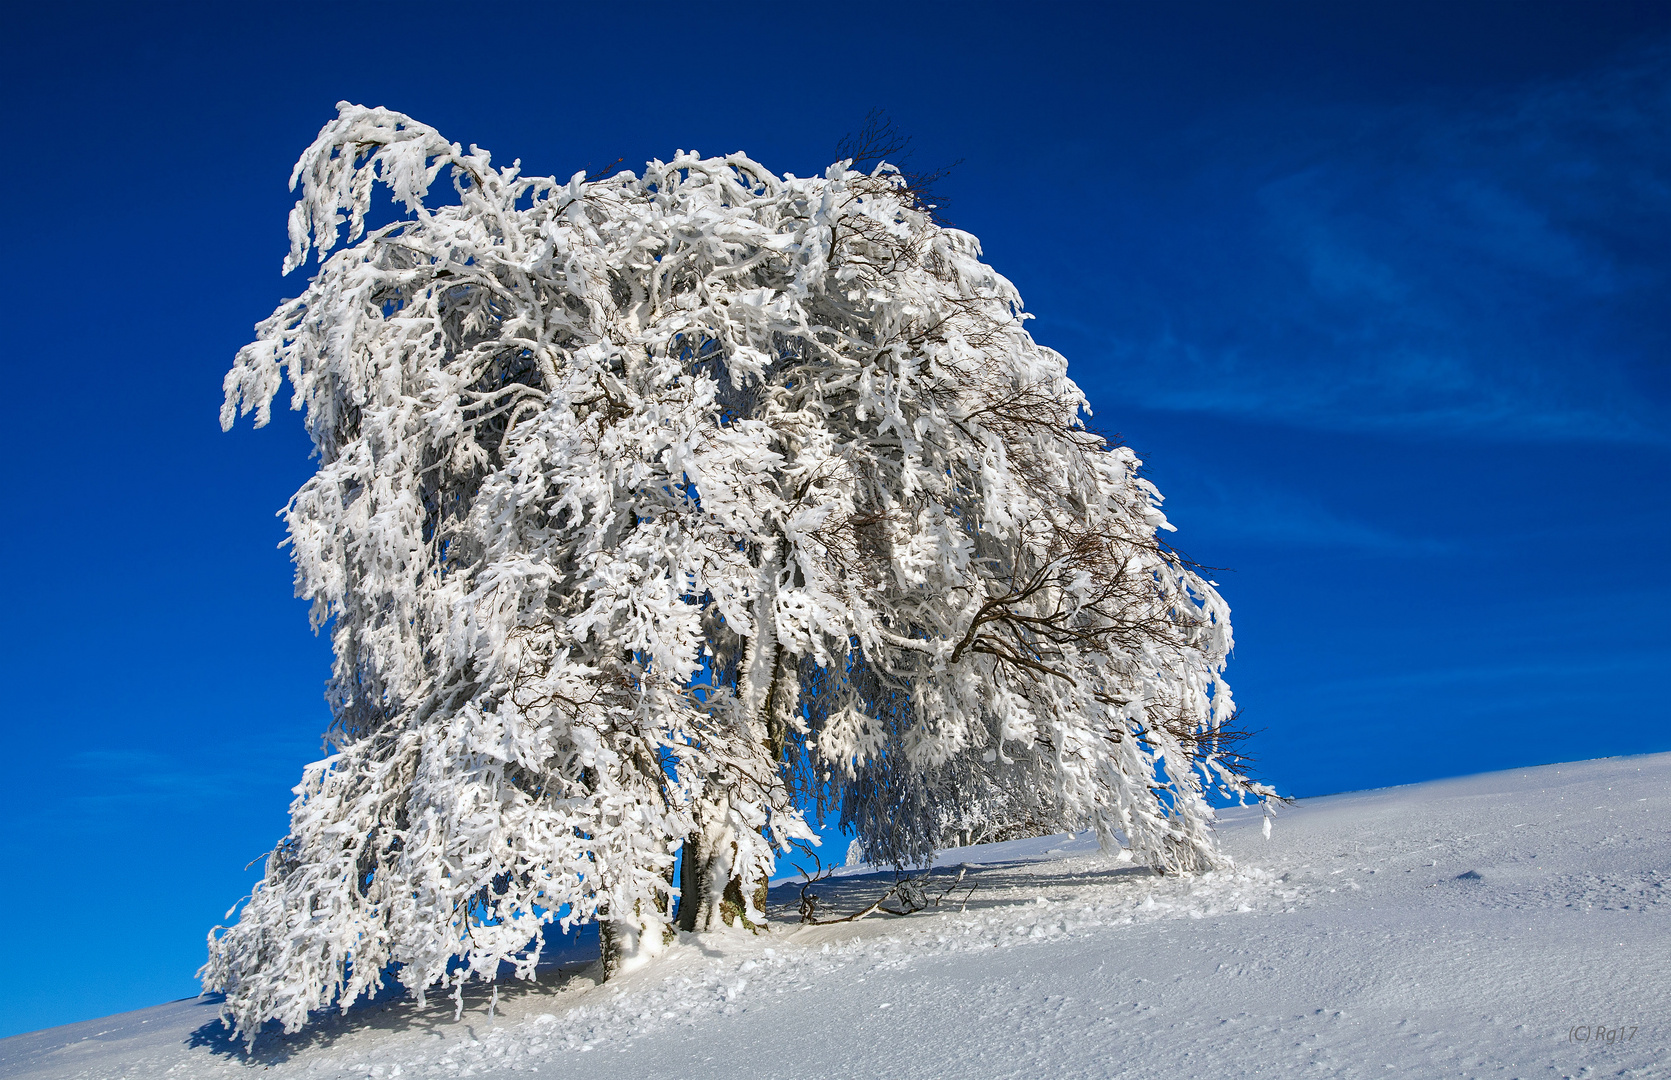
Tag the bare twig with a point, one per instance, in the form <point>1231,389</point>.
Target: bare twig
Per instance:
<point>810,900</point>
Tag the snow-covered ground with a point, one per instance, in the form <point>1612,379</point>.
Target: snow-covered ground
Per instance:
<point>1513,924</point>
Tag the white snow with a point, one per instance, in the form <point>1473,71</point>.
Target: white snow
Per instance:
<point>1355,942</point>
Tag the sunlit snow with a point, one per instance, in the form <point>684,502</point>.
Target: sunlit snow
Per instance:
<point>1513,923</point>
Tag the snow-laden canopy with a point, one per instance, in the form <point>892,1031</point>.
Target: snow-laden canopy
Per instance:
<point>657,511</point>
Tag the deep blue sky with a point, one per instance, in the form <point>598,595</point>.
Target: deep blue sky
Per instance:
<point>1379,292</point>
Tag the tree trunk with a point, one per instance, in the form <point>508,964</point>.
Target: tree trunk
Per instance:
<point>711,879</point>
<point>689,886</point>
<point>625,944</point>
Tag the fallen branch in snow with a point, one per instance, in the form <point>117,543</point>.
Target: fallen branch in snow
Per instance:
<point>961,872</point>
<point>909,889</point>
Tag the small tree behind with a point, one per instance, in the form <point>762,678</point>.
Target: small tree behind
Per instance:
<point>654,509</point>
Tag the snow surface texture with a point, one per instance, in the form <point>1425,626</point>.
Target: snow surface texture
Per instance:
<point>1509,924</point>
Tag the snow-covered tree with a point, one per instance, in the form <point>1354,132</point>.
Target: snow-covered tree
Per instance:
<point>654,510</point>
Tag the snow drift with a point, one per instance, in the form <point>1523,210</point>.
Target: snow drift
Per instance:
<point>1514,923</point>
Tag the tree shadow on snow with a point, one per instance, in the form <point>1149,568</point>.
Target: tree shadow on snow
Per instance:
<point>567,960</point>
<point>570,960</point>
<point>982,886</point>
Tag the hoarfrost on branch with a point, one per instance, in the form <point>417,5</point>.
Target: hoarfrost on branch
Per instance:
<point>655,512</point>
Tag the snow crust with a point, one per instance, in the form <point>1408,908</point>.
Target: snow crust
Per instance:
<point>1512,923</point>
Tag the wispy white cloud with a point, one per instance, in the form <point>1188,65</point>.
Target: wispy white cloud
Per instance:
<point>1261,514</point>
<point>1498,266</point>
<point>1532,680</point>
<point>112,779</point>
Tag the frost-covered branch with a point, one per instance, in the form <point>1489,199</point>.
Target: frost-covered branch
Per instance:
<point>656,511</point>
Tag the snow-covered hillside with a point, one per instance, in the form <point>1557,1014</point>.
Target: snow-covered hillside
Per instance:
<point>1510,924</point>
